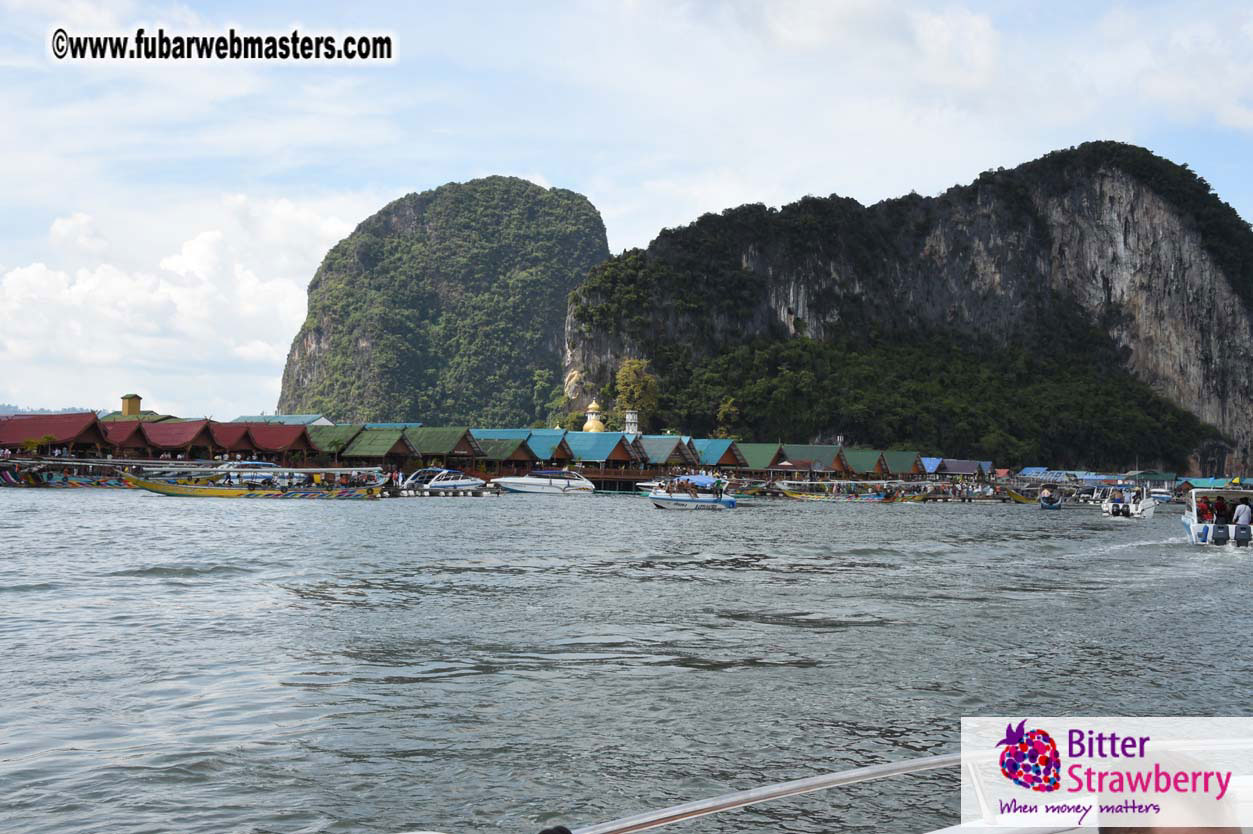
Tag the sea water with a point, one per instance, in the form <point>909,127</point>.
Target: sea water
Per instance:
<point>503,664</point>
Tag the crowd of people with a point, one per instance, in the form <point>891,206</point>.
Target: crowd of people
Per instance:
<point>1218,511</point>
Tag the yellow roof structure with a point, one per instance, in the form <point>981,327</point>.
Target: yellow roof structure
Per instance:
<point>593,418</point>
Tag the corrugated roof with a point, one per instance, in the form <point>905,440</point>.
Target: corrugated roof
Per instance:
<point>549,444</point>
<point>145,416</point>
<point>713,449</point>
<point>124,433</point>
<point>900,463</point>
<point>815,453</point>
<point>231,436</point>
<point>956,466</point>
<point>275,437</point>
<point>1032,471</point>
<point>932,465</point>
<point>503,448</point>
<point>393,425</point>
<point>986,466</point>
<point>333,439</point>
<point>1150,475</point>
<point>497,434</point>
<point>1206,483</point>
<point>376,443</point>
<point>281,419</point>
<point>862,461</point>
<point>593,446</point>
<point>662,449</point>
<point>759,455</point>
<point>78,427</point>
<point>441,440</point>
<point>175,434</point>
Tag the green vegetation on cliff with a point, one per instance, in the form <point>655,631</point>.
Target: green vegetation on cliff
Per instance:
<point>446,307</point>
<point>1014,406</point>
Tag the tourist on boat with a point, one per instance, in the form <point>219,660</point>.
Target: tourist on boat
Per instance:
<point>1203,510</point>
<point>1243,513</point>
<point>1222,513</point>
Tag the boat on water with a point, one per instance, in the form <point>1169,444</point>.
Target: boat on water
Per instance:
<point>437,479</point>
<point>1051,497</point>
<point>840,491</point>
<point>100,474</point>
<point>692,492</point>
<point>645,487</point>
<point>547,482</point>
<point>336,484</point>
<point>1129,503</point>
<point>1207,524</point>
<point>1162,495</point>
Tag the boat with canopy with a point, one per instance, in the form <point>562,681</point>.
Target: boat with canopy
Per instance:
<point>691,492</point>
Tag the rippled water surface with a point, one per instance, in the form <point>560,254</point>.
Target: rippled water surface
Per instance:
<point>502,664</point>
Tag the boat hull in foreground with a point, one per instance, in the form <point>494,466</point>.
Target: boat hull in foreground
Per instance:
<point>665,501</point>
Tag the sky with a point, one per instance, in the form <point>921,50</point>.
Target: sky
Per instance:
<point>160,221</point>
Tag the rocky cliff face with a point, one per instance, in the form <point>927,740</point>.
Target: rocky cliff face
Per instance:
<point>1107,233</point>
<point>445,307</point>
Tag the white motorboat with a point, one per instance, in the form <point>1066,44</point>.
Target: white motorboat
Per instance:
<point>645,487</point>
<point>1207,524</point>
<point>548,482</point>
<point>436,479</point>
<point>1129,503</point>
<point>691,492</point>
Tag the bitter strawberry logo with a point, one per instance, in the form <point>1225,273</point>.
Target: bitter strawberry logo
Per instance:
<point>1030,758</point>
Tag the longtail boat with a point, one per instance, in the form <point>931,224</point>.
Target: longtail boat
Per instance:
<point>280,484</point>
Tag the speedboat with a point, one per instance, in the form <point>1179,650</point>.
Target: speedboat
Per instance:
<point>548,482</point>
<point>1129,503</point>
<point>437,479</point>
<point>1201,523</point>
<point>1162,495</point>
<point>691,492</point>
<point>1050,498</point>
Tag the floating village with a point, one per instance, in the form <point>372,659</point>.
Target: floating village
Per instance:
<point>310,457</point>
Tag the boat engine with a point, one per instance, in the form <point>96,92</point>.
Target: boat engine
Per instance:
<point>1221,535</point>
<point>1243,533</point>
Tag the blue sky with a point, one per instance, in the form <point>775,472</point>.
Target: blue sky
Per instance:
<point>161,222</point>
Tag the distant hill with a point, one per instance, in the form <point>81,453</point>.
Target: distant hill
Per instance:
<point>447,307</point>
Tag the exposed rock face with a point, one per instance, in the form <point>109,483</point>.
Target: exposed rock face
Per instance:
<point>445,307</point>
<point>1137,244</point>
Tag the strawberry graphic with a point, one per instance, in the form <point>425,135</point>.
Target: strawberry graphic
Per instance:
<point>1030,759</point>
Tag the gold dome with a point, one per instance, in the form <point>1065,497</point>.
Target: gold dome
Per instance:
<point>593,418</point>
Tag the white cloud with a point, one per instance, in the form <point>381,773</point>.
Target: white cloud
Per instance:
<point>207,326</point>
<point>198,256</point>
<point>77,230</point>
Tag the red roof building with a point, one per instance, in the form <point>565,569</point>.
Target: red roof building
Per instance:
<point>276,438</point>
<point>232,437</point>
<point>174,436</point>
<point>124,434</point>
<point>76,429</point>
